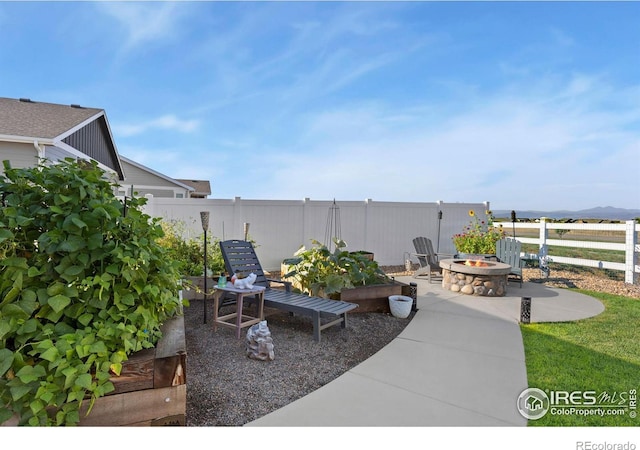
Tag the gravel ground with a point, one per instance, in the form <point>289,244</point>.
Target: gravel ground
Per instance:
<point>226,388</point>
<point>584,279</point>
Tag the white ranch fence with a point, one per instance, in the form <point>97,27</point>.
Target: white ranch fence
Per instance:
<point>280,227</point>
<point>626,234</point>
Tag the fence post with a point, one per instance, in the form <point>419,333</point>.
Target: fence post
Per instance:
<point>305,217</point>
<point>367,219</point>
<point>630,259</point>
<point>544,233</point>
<point>238,218</point>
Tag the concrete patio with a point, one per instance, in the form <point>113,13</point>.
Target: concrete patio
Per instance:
<point>460,362</point>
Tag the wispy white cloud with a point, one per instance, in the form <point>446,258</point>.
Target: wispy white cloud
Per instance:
<point>315,55</point>
<point>539,143</point>
<point>562,38</point>
<point>392,101</point>
<point>150,157</point>
<point>144,22</point>
<point>167,122</point>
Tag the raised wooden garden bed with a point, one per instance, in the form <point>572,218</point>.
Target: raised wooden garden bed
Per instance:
<point>374,298</point>
<point>151,389</point>
<point>193,293</point>
<point>366,254</point>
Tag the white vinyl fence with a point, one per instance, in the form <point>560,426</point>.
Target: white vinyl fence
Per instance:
<point>280,227</point>
<point>387,229</point>
<point>627,235</point>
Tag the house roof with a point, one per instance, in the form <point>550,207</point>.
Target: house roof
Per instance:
<point>179,183</point>
<point>201,187</point>
<point>23,117</point>
<point>80,129</point>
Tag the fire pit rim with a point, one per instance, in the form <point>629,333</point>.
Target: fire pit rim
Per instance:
<point>457,265</point>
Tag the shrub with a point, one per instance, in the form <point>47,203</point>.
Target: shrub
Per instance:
<point>83,284</point>
<point>189,252</point>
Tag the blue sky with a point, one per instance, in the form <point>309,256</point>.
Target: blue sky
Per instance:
<point>526,105</point>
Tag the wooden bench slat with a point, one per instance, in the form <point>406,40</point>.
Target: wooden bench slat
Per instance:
<point>508,252</point>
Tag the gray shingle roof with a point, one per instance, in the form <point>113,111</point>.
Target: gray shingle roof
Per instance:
<point>40,120</point>
<point>202,187</point>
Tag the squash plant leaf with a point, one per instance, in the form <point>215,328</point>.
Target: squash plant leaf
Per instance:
<point>59,302</point>
<point>6,360</point>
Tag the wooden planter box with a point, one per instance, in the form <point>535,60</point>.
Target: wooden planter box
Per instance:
<point>284,268</point>
<point>151,389</point>
<point>191,293</point>
<point>366,254</point>
<point>374,298</point>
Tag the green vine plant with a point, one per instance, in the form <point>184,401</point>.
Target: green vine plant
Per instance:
<point>323,273</point>
<point>83,284</point>
<point>189,251</point>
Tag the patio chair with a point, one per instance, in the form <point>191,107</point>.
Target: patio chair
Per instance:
<point>427,258</point>
<point>240,257</point>
<point>508,252</point>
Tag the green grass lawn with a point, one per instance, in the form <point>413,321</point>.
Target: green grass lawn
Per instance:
<point>600,354</point>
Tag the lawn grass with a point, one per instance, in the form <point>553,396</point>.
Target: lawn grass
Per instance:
<point>600,354</point>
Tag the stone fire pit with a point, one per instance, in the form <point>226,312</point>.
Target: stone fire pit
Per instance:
<point>475,277</point>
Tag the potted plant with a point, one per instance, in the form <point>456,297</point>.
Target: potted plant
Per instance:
<point>83,285</point>
<point>478,237</point>
<point>341,275</point>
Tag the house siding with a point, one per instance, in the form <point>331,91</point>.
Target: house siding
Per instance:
<point>160,193</point>
<point>55,154</point>
<point>147,182</point>
<point>93,140</point>
<point>136,176</point>
<point>20,155</point>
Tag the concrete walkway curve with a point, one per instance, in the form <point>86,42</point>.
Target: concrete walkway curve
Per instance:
<point>459,362</point>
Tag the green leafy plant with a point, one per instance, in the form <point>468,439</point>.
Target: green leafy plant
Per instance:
<point>189,251</point>
<point>478,237</point>
<point>323,273</point>
<point>83,284</point>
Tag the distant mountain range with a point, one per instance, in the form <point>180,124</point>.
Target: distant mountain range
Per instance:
<point>600,212</point>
